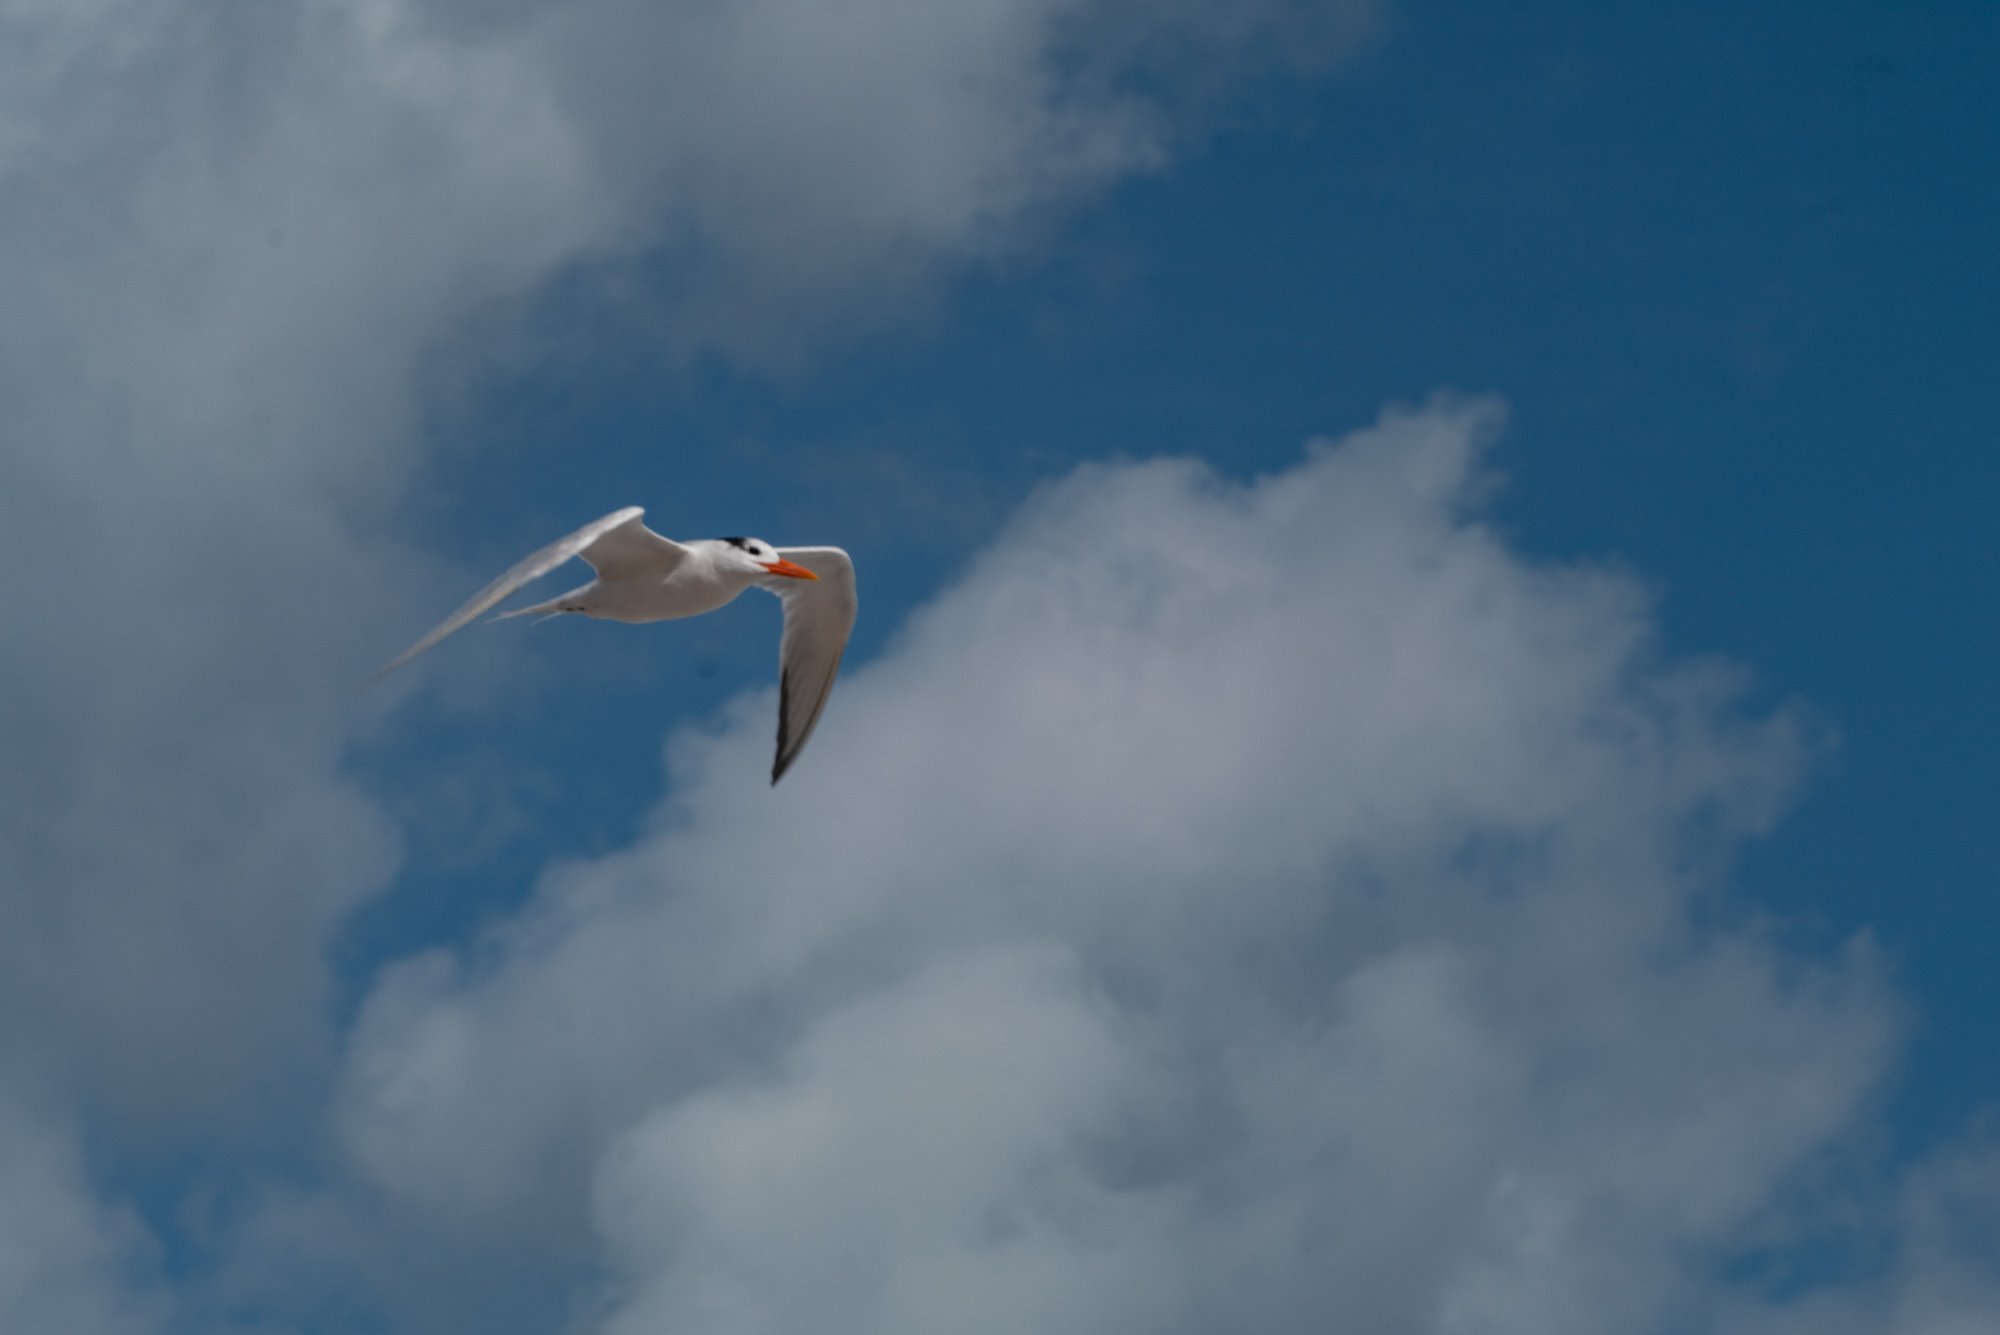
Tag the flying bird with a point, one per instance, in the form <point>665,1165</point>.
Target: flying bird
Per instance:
<point>642,576</point>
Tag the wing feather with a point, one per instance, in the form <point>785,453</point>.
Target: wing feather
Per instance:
<point>614,538</point>
<point>819,615</point>
<point>630,550</point>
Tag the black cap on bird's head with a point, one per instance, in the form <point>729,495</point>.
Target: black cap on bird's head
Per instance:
<point>764,555</point>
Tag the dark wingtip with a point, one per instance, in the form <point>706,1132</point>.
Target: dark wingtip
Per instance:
<point>778,761</point>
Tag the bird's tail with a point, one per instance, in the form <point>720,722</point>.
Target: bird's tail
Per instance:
<point>552,608</point>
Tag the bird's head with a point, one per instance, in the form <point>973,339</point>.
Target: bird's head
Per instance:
<point>756,558</point>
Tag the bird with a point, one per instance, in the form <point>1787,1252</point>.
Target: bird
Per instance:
<point>643,577</point>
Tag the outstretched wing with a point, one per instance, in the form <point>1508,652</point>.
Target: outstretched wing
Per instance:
<point>819,614</point>
<point>618,545</point>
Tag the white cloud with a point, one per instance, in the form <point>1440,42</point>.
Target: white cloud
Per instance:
<point>230,239</point>
<point>67,1262</point>
<point>1928,1259</point>
<point>799,160</point>
<point>1232,906</point>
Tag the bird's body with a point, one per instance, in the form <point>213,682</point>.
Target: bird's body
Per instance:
<point>697,583</point>
<point>643,577</point>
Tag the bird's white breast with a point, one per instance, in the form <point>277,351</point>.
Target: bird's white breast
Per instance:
<point>693,588</point>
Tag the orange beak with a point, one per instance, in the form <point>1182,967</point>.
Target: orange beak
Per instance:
<point>787,568</point>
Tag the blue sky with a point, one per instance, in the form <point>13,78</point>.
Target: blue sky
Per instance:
<point>1521,863</point>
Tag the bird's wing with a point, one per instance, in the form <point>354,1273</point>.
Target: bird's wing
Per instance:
<point>818,616</point>
<point>615,534</point>
<point>628,549</point>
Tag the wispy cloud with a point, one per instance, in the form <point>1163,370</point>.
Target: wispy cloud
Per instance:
<point>67,1262</point>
